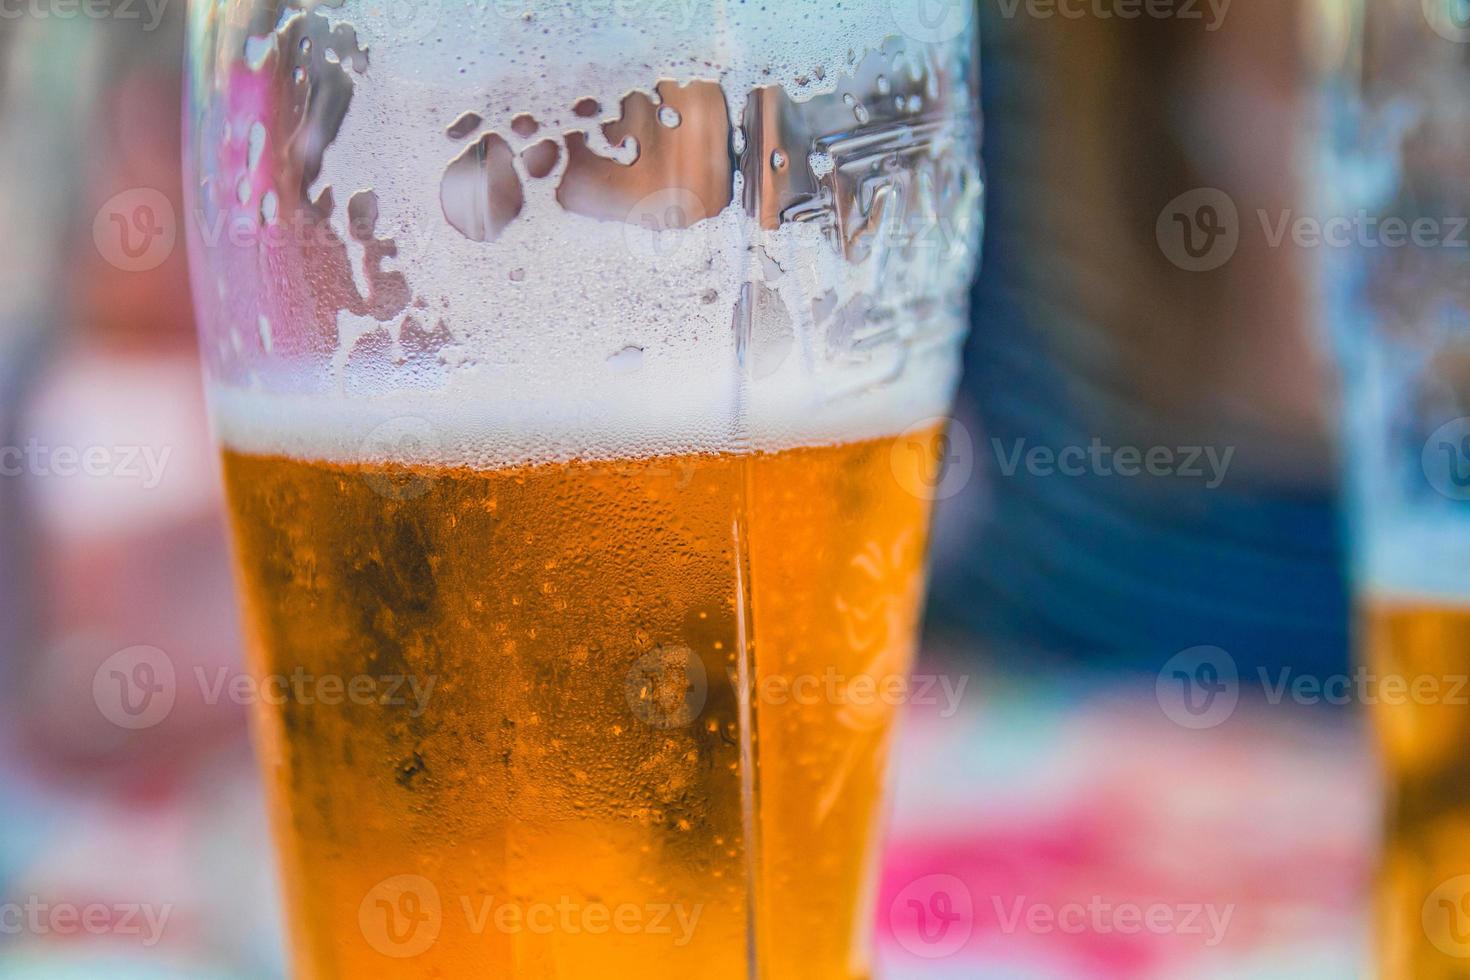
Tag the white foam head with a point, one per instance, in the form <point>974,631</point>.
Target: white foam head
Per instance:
<point>570,335</point>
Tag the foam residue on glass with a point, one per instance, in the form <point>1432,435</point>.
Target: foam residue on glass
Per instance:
<point>758,232</point>
<point>1395,149</point>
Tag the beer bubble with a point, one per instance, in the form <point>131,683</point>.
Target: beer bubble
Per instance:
<point>255,145</point>
<point>464,126</point>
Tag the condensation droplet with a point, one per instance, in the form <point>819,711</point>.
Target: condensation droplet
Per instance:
<point>270,207</point>
<point>242,190</point>
<point>256,145</point>
<point>587,108</point>
<point>862,115</point>
<point>306,45</point>
<point>267,339</point>
<point>256,51</point>
<point>626,361</point>
<point>884,85</point>
<point>669,116</point>
<point>299,76</point>
<point>778,159</point>
<point>466,124</point>
<point>524,125</point>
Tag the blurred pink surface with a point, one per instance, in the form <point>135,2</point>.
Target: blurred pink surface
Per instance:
<point>1070,802</point>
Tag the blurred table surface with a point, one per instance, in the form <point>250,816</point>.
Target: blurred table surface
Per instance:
<point>1058,803</point>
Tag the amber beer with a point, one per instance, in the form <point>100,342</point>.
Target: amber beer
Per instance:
<point>1424,888</point>
<point>592,789</point>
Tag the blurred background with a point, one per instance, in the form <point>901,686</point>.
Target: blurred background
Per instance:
<point>1068,771</point>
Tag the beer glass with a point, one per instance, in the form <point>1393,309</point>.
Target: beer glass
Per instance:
<point>1398,128</point>
<point>580,370</point>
